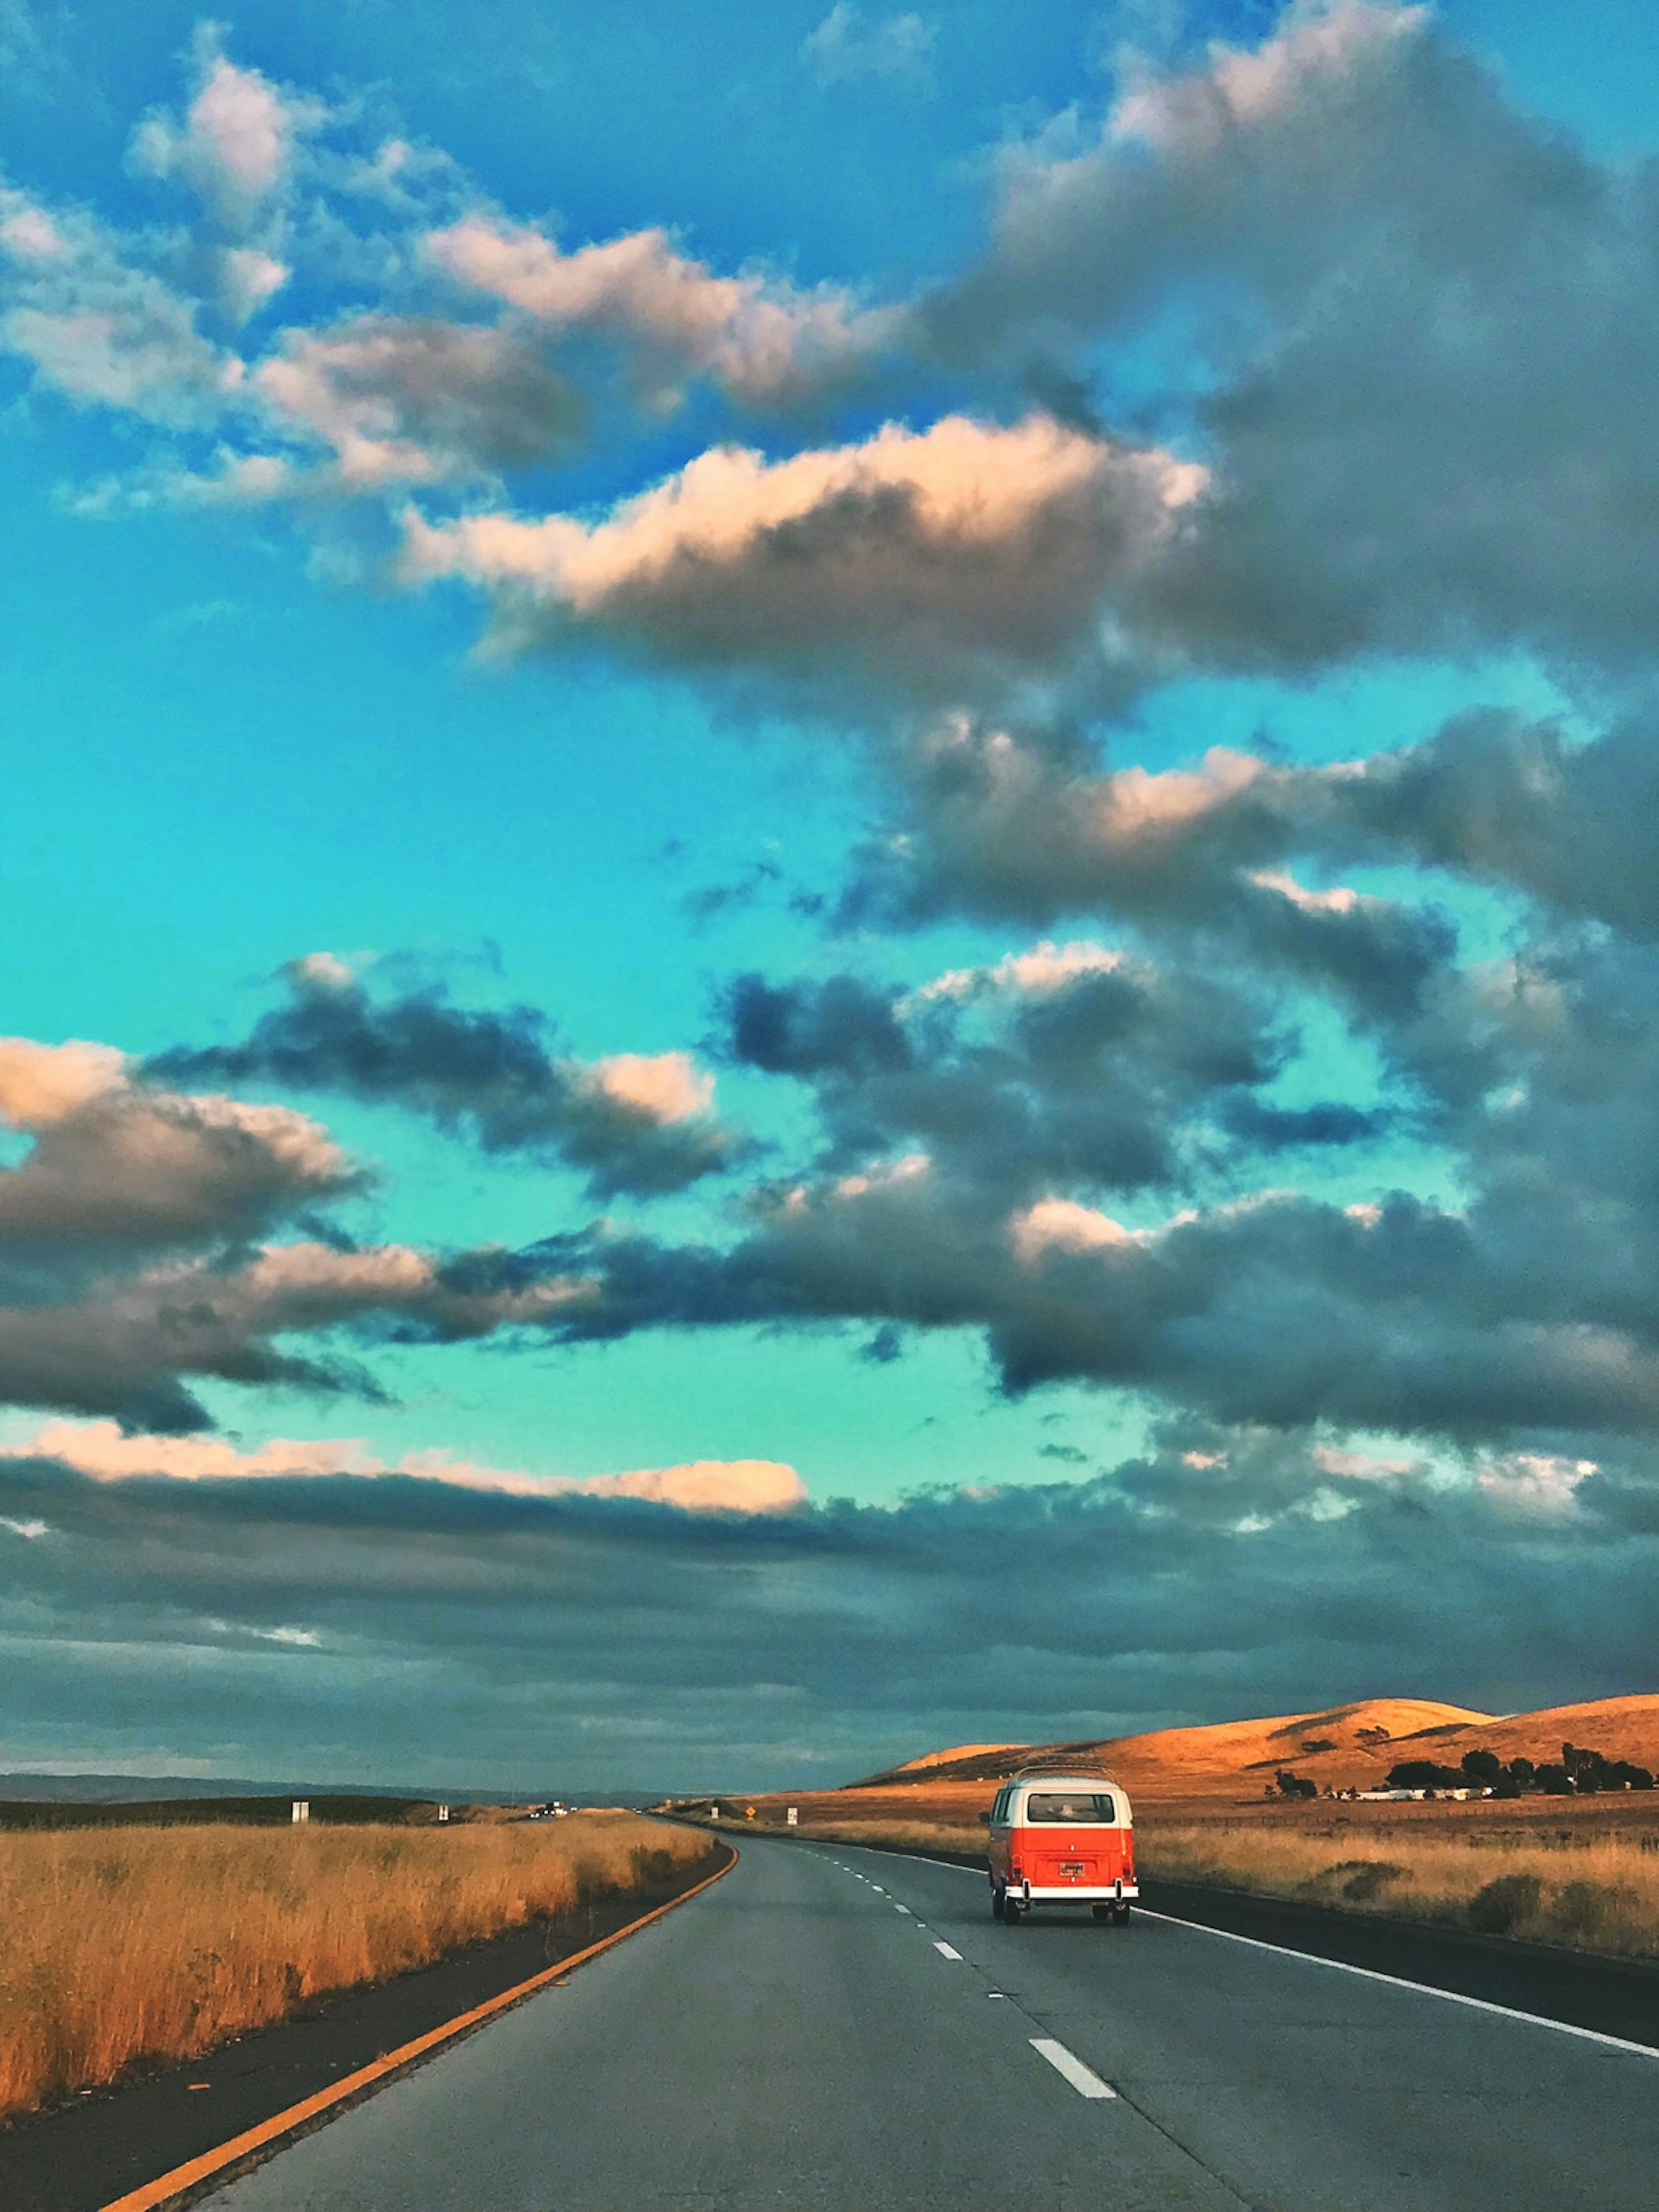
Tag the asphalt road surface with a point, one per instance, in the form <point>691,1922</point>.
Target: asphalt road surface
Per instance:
<point>832,2029</point>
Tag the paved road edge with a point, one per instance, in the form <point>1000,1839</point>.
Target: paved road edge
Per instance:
<point>184,2183</point>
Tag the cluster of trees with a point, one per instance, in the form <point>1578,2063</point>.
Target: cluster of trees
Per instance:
<point>1577,1772</point>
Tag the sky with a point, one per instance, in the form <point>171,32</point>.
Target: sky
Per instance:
<point>832,873</point>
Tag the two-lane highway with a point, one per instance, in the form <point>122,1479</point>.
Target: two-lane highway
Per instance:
<point>837,2031</point>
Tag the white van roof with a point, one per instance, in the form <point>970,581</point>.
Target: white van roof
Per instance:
<point>1062,1777</point>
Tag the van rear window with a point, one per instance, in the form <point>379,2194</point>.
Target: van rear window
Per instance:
<point>1060,1806</point>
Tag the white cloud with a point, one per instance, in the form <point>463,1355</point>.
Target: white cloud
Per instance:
<point>248,278</point>
<point>1044,969</point>
<point>922,560</point>
<point>662,1087</point>
<point>108,1454</point>
<point>40,1084</point>
<point>100,328</point>
<point>235,143</point>
<point>760,339</point>
<point>415,400</point>
<point>847,45</point>
<point>1060,1224</point>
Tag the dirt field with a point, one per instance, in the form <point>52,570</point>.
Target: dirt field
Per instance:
<point>119,1946</point>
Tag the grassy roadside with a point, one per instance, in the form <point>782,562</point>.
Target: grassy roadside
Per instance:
<point>143,1945</point>
<point>1583,1893</point>
<point>1581,1890</point>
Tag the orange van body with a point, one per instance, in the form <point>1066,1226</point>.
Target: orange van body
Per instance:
<point>1061,1840</point>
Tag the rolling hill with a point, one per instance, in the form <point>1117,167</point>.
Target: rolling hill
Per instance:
<point>1339,1747</point>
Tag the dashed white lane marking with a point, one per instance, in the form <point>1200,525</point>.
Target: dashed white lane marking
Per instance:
<point>1365,1973</point>
<point>1422,1989</point>
<point>879,1891</point>
<point>897,1907</point>
<point>945,1951</point>
<point>1085,2082</point>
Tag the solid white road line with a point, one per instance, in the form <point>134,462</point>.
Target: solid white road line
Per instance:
<point>1369,1974</point>
<point>1422,1989</point>
<point>946,1952</point>
<point>1086,2083</point>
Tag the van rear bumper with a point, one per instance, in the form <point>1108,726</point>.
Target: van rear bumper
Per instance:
<point>1074,1892</point>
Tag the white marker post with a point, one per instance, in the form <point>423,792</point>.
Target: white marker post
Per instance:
<point>443,1814</point>
<point>793,1816</point>
<point>301,1810</point>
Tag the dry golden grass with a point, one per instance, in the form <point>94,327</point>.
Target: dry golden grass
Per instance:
<point>1585,1891</point>
<point>119,1946</point>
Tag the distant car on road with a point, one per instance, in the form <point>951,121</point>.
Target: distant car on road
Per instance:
<point>554,1809</point>
<point>1061,1840</point>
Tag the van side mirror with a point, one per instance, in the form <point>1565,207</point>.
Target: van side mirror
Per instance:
<point>985,1820</point>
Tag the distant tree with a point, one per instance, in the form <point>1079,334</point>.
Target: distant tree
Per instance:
<point>1484,1769</point>
<point>1319,1743</point>
<point>1523,1770</point>
<point>1424,1774</point>
<point>1553,1779</point>
<point>1295,1785</point>
<point>1592,1770</point>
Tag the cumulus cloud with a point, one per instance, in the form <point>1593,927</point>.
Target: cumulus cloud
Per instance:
<point>966,557</point>
<point>1414,312</point>
<point>639,1123</point>
<point>1526,1314</point>
<point>114,1168</point>
<point>406,400</point>
<point>130,1344</point>
<point>758,339</point>
<point>1083,1067</point>
<point>234,143</point>
<point>100,328</point>
<point>1026,825</point>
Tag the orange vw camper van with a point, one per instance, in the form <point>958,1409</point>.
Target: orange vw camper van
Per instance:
<point>1061,1840</point>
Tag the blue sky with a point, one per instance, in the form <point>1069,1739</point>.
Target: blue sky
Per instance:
<point>804,806</point>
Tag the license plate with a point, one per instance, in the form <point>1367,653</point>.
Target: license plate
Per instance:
<point>1073,1872</point>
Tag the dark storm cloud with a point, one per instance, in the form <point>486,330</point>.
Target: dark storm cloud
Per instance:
<point>1061,1067</point>
<point>1027,827</point>
<point>632,1123</point>
<point>386,1621</point>
<point>1506,1322</point>
<point>1427,328</point>
<point>1285,1128</point>
<point>1513,804</point>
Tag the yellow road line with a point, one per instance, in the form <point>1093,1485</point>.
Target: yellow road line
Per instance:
<point>154,2195</point>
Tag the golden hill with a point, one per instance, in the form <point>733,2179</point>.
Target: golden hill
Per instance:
<point>955,1756</point>
<point>1339,1747</point>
